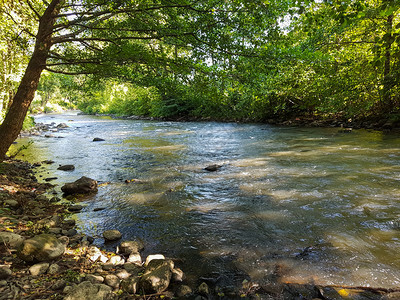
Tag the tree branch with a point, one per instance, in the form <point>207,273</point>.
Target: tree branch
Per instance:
<point>33,9</point>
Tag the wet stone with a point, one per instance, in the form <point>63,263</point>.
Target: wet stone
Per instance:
<point>112,235</point>
<point>66,168</point>
<point>203,289</point>
<point>129,247</point>
<point>183,291</point>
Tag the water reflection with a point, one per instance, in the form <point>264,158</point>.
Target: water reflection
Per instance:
<point>317,204</point>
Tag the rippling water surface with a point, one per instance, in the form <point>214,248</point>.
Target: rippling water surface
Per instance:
<point>324,205</point>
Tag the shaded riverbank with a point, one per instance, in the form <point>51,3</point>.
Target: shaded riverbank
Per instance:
<point>374,123</point>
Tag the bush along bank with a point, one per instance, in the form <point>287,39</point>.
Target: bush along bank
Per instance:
<point>43,256</point>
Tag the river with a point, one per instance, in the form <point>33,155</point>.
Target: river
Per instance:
<point>322,205</point>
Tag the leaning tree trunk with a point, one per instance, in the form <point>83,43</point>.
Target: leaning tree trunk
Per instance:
<point>12,124</point>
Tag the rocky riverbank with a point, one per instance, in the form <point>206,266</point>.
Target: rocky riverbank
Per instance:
<point>302,121</point>
<point>44,257</point>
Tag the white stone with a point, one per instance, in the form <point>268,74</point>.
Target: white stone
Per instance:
<point>153,256</point>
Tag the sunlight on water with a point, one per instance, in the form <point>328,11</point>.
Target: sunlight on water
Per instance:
<point>317,205</point>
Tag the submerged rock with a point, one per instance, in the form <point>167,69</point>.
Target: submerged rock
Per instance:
<point>83,185</point>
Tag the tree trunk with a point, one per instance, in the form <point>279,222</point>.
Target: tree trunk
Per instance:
<point>387,76</point>
<point>14,119</point>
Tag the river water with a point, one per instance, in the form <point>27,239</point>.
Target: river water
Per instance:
<point>324,206</point>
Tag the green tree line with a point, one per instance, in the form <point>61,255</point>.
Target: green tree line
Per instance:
<point>223,60</point>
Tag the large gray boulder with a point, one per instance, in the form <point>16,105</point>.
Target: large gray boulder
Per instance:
<point>87,290</point>
<point>43,247</point>
<point>11,240</point>
<point>157,276</point>
<point>83,185</point>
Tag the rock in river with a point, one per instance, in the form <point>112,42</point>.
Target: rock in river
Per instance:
<point>83,185</point>
<point>66,168</point>
<point>213,168</point>
<point>129,247</point>
<point>96,139</point>
<point>112,235</point>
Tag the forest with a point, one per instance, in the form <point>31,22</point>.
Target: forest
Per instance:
<point>250,61</point>
<point>229,207</point>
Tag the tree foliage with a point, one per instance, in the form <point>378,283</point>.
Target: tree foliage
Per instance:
<point>221,59</point>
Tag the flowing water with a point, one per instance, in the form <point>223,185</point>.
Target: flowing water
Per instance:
<point>322,205</point>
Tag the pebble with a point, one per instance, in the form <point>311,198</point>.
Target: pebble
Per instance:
<point>116,260</point>
<point>134,258</point>
<point>123,274</point>
<point>39,269</point>
<point>53,269</point>
<point>203,289</point>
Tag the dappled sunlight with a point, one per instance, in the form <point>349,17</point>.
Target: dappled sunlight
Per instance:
<point>169,148</point>
<point>143,198</point>
<point>251,162</point>
<point>252,174</point>
<point>174,133</point>
<point>349,243</point>
<point>207,207</point>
